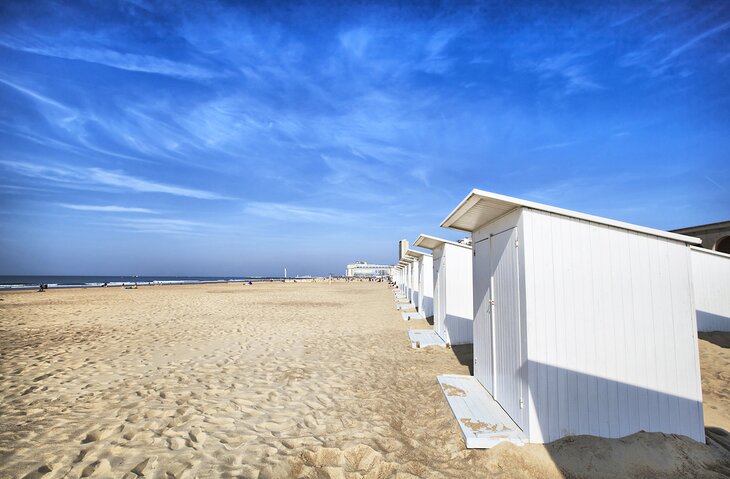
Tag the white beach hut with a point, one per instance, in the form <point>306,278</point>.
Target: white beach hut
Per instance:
<point>423,277</point>
<point>405,292</point>
<point>410,282</point>
<point>397,282</point>
<point>421,265</point>
<point>582,325</point>
<point>399,290</point>
<point>452,289</point>
<point>711,282</point>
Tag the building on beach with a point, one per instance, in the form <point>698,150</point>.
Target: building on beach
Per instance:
<point>582,324</point>
<point>452,289</point>
<point>362,269</point>
<point>714,236</point>
<point>402,248</point>
<point>412,274</point>
<point>421,269</point>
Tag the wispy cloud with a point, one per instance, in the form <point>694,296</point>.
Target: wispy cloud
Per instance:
<point>108,208</point>
<point>166,226</point>
<point>553,146</point>
<point>663,52</point>
<point>124,181</point>
<point>295,213</point>
<point>128,61</point>
<point>78,177</point>
<point>378,119</point>
<point>570,69</point>
<point>715,183</point>
<point>697,39</point>
<point>36,96</point>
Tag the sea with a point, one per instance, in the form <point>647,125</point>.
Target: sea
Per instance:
<point>32,282</point>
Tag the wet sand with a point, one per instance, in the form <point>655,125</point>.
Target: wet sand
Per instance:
<point>272,380</point>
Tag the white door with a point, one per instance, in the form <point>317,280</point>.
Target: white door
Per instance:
<point>506,324</point>
<point>481,275</point>
<point>441,305</point>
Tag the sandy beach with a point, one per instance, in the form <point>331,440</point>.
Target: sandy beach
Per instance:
<point>312,380</point>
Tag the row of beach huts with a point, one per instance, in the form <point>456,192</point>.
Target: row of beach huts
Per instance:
<point>579,324</point>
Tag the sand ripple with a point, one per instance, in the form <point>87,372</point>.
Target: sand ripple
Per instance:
<point>287,380</point>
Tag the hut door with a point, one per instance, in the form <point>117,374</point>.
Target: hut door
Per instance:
<point>506,323</point>
<point>481,274</point>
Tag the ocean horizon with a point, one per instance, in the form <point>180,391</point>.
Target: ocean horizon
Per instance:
<point>90,281</point>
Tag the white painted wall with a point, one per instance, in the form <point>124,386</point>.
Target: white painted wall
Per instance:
<point>425,285</point>
<point>453,307</point>
<point>607,323</point>
<point>407,280</point>
<point>611,331</point>
<point>711,281</point>
<point>415,272</point>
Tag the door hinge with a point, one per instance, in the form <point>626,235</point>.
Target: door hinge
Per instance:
<point>522,404</point>
<point>517,243</point>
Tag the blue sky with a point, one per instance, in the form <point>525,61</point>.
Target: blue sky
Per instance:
<point>211,138</point>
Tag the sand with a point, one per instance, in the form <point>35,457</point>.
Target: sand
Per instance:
<point>272,380</point>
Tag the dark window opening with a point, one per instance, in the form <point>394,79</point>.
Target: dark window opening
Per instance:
<point>723,245</point>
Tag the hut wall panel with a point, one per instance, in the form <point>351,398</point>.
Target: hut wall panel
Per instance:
<point>439,292</point>
<point>610,331</point>
<point>414,282</point>
<point>425,296</point>
<point>459,294</point>
<point>711,281</point>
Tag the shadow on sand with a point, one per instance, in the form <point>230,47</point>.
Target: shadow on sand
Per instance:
<point>465,354</point>
<point>718,338</point>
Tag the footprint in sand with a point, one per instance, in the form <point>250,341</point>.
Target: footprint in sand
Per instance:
<point>40,472</point>
<point>100,468</point>
<point>146,466</point>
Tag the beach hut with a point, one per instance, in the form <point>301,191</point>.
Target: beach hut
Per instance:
<point>410,283</point>
<point>409,291</point>
<point>423,277</point>
<point>452,289</point>
<point>582,325</point>
<point>711,282</point>
<point>399,278</point>
<point>396,281</point>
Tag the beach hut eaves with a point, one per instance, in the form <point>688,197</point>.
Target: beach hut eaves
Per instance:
<point>481,207</point>
<point>432,242</point>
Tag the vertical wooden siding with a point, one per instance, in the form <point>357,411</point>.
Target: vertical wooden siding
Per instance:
<point>425,300</point>
<point>711,280</point>
<point>611,332</point>
<point>482,267</point>
<point>459,294</point>
<point>415,293</point>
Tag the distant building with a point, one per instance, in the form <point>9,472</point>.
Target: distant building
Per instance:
<point>402,248</point>
<point>714,236</point>
<point>367,270</point>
